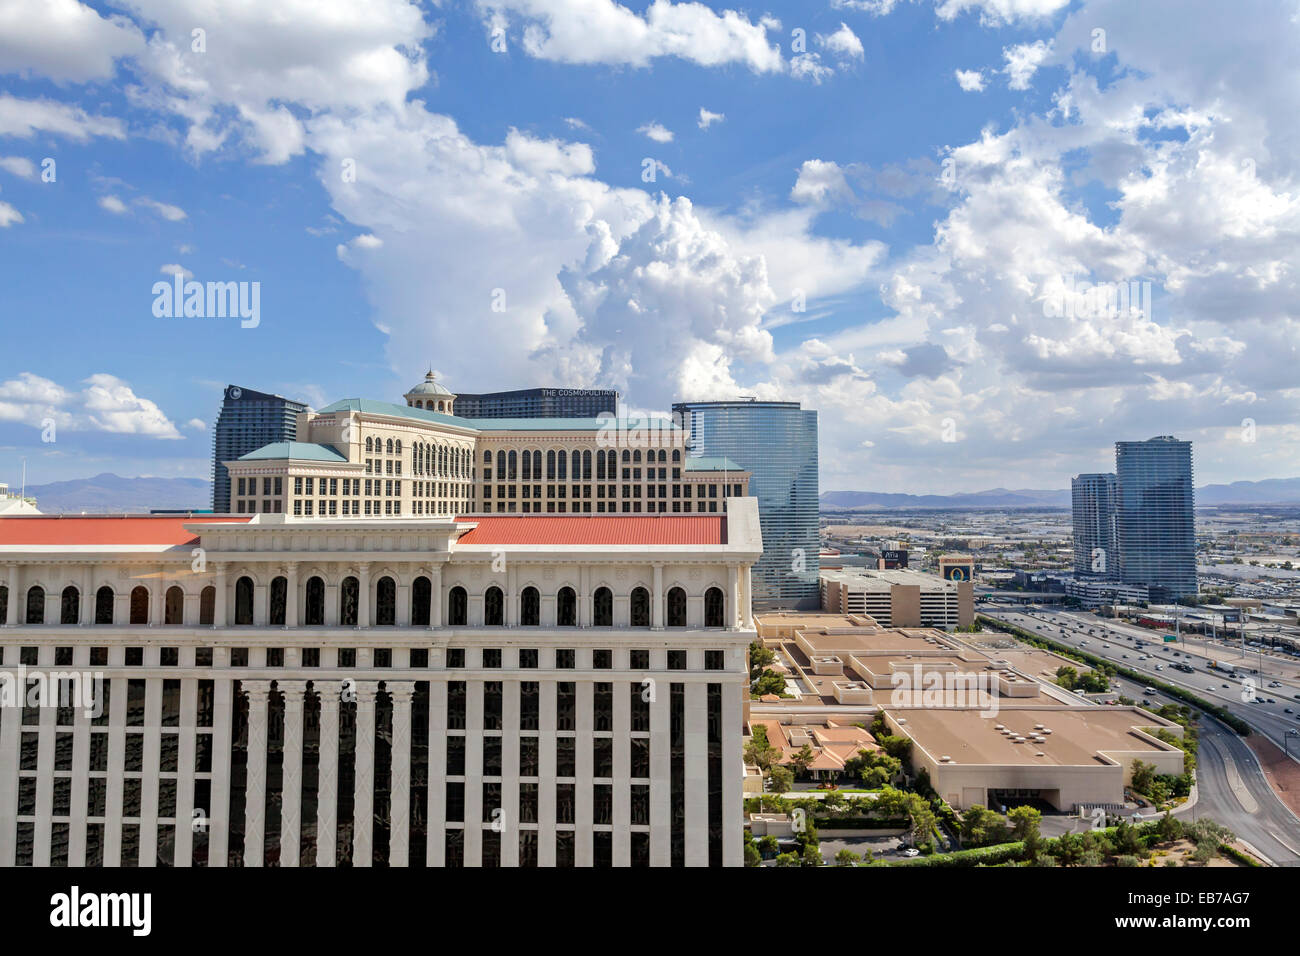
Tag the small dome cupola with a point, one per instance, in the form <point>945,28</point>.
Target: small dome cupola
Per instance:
<point>431,396</point>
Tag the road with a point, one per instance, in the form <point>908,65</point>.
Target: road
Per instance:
<point>1231,787</point>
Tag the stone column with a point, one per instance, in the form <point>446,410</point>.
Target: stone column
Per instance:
<point>291,789</point>
<point>731,614</point>
<point>584,597</point>
<point>17,601</point>
<point>747,602</point>
<point>327,786</point>
<point>87,615</point>
<point>259,692</point>
<point>219,606</point>
<point>292,599</point>
<point>399,822</point>
<point>363,793</point>
<point>363,596</point>
<point>657,599</point>
<point>218,819</point>
<point>435,606</point>
<point>402,613</point>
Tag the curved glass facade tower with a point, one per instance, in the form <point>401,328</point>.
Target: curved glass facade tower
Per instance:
<point>777,443</point>
<point>1155,515</point>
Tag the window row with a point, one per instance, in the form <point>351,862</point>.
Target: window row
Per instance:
<point>528,610</point>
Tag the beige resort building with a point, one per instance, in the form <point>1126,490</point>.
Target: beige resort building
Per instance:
<point>359,457</point>
<point>523,689</point>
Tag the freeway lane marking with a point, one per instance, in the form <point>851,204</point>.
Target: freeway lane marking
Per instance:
<point>1238,787</point>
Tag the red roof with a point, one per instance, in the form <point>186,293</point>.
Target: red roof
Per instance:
<point>74,530</point>
<point>595,529</point>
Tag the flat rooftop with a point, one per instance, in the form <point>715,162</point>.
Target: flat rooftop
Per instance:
<point>801,619</point>
<point>837,641</point>
<point>1078,734</point>
<point>872,579</point>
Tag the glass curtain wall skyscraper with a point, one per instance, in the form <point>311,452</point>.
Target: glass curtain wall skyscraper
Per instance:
<point>248,420</point>
<point>777,443</point>
<point>1096,549</point>
<point>1155,518</point>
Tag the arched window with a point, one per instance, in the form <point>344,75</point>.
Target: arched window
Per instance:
<point>349,593</point>
<point>677,455</point>
<point>493,605</point>
<point>636,457</point>
<point>70,606</point>
<point>501,465</point>
<point>526,472</point>
<point>676,607</point>
<point>513,467</point>
<point>36,605</point>
<point>370,444</point>
<point>487,457</point>
<point>640,607</point>
<point>537,465</point>
<point>530,607</point>
<point>388,447</point>
<point>566,608</point>
<point>104,605</point>
<point>397,447</point>
<point>385,601</point>
<point>714,615</point>
<point>174,606</point>
<point>314,605</point>
<point>602,608</point>
<point>600,466</point>
<point>550,465</point>
<point>627,457</point>
<point>561,462</point>
<point>279,600</point>
<point>457,607</point>
<point>586,466</point>
<point>663,456</point>
<point>244,601</point>
<point>575,464</point>
<point>207,604</point>
<point>139,604</point>
<point>421,596</point>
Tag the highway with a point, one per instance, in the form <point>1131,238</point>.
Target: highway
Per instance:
<point>1231,787</point>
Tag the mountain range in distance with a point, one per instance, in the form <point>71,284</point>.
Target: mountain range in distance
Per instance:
<point>112,494</point>
<point>1267,492</point>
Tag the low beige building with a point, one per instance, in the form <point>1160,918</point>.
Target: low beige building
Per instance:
<point>1069,757</point>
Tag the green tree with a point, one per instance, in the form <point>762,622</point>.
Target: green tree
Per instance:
<point>801,760</point>
<point>770,682</point>
<point>760,658</point>
<point>811,856</point>
<point>1026,823</point>
<point>1067,677</point>
<point>847,857</point>
<point>1143,776</point>
<point>982,827</point>
<point>759,751</point>
<point>780,778</point>
<point>752,856</point>
<point>788,859</point>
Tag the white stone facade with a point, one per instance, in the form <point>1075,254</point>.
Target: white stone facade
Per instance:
<point>250,722</point>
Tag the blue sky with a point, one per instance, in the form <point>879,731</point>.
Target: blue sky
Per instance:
<point>857,226</point>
